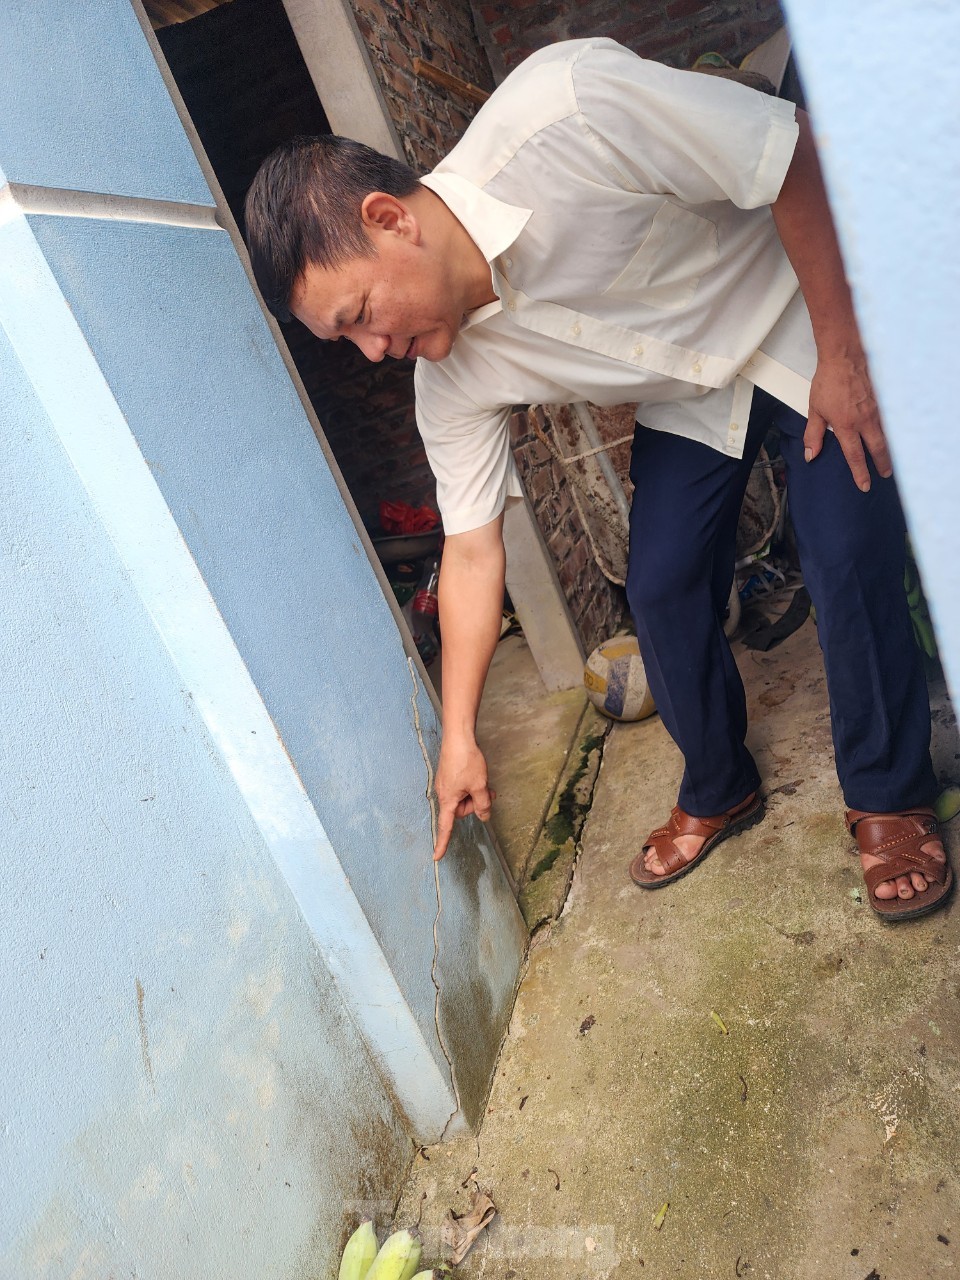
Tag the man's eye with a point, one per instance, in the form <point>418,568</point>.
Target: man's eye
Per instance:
<point>359,319</point>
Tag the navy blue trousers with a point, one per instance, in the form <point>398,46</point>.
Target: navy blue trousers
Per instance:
<point>683,527</point>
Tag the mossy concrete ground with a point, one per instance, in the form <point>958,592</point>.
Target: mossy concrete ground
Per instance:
<point>750,1047</point>
<point>528,736</point>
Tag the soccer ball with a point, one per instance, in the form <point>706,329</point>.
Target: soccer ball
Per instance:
<point>616,682</point>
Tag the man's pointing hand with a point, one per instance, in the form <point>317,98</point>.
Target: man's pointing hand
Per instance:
<point>462,789</point>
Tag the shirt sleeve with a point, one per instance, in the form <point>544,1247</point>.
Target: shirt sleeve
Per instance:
<point>696,137</point>
<point>468,448</point>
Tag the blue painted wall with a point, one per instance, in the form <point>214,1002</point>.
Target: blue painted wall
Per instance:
<point>182,1088</point>
<point>83,105</point>
<point>884,92</point>
<point>180,1091</point>
<point>176,330</point>
<point>172,322</point>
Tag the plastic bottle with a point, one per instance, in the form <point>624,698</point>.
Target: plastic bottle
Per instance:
<point>425,607</point>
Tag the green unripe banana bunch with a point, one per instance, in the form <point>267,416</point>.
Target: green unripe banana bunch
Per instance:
<point>360,1251</point>
<point>398,1258</point>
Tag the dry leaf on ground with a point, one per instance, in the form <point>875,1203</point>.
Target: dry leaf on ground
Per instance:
<point>459,1231</point>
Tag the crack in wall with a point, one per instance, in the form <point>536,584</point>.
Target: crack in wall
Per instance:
<point>432,803</point>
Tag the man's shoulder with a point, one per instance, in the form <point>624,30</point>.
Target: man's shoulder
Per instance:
<point>537,94</point>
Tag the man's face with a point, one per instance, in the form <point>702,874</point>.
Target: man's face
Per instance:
<point>398,302</point>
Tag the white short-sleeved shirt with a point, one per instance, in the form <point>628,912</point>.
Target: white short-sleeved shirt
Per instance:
<point>623,207</point>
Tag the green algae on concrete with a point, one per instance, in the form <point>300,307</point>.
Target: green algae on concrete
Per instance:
<point>543,889</point>
<point>526,734</point>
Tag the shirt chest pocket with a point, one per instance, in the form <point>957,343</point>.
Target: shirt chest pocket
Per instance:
<point>676,252</point>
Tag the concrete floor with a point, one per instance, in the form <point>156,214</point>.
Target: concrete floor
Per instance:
<point>526,734</point>
<point>750,1047</point>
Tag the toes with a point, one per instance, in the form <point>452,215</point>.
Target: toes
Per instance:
<point>904,887</point>
<point>887,889</point>
<point>935,849</point>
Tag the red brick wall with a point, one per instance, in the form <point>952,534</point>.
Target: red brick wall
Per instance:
<point>596,604</point>
<point>675,32</point>
<point>429,120</point>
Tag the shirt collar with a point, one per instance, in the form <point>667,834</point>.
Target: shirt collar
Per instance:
<point>492,225</point>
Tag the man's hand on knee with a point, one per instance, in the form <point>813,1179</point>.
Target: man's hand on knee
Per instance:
<point>842,399</point>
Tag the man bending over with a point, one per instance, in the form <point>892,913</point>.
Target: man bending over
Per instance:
<point>610,229</point>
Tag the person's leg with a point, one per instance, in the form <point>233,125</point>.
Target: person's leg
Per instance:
<point>852,550</point>
<point>686,504</point>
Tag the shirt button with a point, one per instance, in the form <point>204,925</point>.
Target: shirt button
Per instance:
<point>638,351</point>
<point>698,368</point>
<point>511,305</point>
<point>508,261</point>
<point>575,330</point>
<point>734,426</point>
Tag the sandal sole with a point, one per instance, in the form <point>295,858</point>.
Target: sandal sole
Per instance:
<point>650,881</point>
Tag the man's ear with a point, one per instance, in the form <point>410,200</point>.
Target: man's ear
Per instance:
<point>383,213</point>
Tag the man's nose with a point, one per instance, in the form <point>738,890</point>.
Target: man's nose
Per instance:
<point>374,346</point>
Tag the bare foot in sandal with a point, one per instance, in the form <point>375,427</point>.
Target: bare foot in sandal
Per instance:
<point>903,860</point>
<point>670,852</point>
<point>907,886</point>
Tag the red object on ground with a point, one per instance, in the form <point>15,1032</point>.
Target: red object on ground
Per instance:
<point>400,517</point>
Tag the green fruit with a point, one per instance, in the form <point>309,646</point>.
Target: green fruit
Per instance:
<point>947,804</point>
<point>924,632</point>
<point>360,1251</point>
<point>398,1258</point>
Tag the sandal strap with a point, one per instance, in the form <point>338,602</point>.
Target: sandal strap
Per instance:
<point>685,824</point>
<point>661,842</point>
<point>682,823</point>
<point>897,839</point>
<point>890,868</point>
<point>881,834</point>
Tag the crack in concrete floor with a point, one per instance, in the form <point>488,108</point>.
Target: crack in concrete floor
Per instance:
<point>819,1137</point>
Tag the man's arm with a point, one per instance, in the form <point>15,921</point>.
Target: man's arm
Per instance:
<point>471,608</point>
<point>841,394</point>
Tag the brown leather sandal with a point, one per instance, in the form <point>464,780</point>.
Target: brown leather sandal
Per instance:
<point>897,839</point>
<point>742,816</point>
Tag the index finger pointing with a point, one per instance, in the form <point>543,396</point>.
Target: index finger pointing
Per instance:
<point>444,831</point>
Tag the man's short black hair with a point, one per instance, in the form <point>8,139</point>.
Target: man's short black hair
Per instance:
<point>303,209</point>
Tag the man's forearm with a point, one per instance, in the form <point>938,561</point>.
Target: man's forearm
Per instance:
<point>471,608</point>
<point>841,392</point>
<point>805,224</point>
